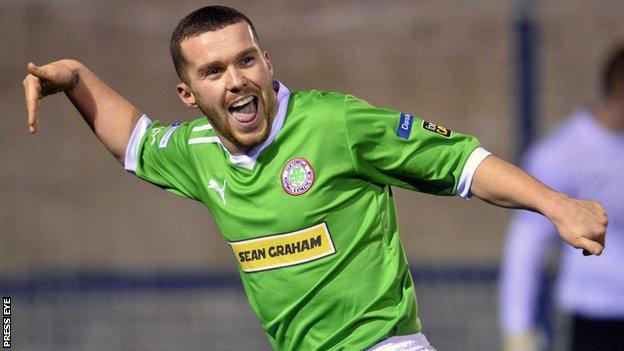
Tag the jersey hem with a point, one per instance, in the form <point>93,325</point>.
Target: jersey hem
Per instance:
<point>402,342</point>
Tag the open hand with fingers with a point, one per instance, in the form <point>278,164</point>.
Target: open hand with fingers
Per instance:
<point>43,81</point>
<point>111,117</point>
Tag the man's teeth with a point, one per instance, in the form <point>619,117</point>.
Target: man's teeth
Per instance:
<point>243,102</point>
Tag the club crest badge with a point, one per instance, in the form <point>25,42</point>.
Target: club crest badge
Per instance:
<point>297,176</point>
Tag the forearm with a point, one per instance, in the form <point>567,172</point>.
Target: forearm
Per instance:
<point>110,116</point>
<point>503,184</point>
<point>581,223</point>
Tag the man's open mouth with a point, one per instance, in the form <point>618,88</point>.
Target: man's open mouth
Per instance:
<point>245,110</point>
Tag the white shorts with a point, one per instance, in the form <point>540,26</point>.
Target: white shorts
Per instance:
<point>412,342</point>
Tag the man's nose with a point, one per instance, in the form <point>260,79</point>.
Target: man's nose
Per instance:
<point>235,80</point>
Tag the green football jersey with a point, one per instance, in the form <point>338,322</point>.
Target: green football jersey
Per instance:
<point>310,215</point>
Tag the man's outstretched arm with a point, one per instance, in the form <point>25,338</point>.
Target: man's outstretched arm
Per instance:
<point>580,223</point>
<point>110,116</point>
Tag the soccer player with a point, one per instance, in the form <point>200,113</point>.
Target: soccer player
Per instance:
<point>300,182</point>
<point>584,158</point>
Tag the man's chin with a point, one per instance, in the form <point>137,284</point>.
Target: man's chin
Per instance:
<point>249,140</point>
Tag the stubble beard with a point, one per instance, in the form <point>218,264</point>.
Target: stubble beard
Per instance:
<point>245,141</point>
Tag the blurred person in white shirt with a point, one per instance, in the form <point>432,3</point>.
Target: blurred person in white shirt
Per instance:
<point>583,157</point>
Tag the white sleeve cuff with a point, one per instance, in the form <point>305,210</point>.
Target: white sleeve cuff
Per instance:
<point>132,151</point>
<point>465,180</point>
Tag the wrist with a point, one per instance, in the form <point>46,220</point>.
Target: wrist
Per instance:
<point>553,205</point>
<point>76,68</point>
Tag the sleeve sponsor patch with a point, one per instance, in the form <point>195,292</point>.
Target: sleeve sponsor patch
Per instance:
<point>405,125</point>
<point>438,129</point>
<point>165,139</point>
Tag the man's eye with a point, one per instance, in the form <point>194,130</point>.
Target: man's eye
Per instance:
<point>247,60</point>
<point>212,72</point>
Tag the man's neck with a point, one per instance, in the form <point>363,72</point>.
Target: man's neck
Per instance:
<point>232,148</point>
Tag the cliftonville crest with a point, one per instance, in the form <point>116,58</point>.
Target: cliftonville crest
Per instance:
<point>297,176</point>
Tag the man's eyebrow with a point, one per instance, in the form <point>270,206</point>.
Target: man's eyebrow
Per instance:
<point>207,66</point>
<point>218,63</point>
<point>246,52</point>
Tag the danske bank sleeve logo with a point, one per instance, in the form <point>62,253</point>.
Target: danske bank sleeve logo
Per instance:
<point>297,176</point>
<point>405,125</point>
<point>284,250</point>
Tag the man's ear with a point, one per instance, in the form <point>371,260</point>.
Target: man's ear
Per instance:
<point>186,95</point>
<point>265,55</point>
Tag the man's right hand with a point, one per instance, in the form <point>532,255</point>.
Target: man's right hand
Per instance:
<point>581,223</point>
<point>111,117</point>
<point>43,81</point>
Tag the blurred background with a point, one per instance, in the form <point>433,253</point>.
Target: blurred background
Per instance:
<point>96,259</point>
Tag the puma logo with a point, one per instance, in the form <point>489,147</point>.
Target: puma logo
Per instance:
<point>212,184</point>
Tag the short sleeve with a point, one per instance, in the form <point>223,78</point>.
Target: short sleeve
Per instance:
<point>400,149</point>
<point>160,155</point>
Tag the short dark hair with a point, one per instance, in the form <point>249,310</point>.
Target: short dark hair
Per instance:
<point>205,19</point>
<point>613,74</point>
